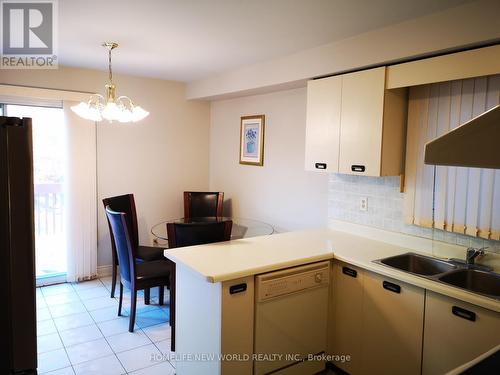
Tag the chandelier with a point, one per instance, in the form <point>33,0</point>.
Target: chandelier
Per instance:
<point>110,107</point>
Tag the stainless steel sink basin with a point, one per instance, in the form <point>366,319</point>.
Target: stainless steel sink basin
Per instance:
<point>418,264</point>
<point>481,282</point>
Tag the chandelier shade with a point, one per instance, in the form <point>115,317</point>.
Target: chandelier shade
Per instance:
<point>110,107</point>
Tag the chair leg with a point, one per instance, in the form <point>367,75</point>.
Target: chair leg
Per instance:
<point>161,294</point>
<point>133,304</point>
<point>121,300</point>
<point>147,296</point>
<point>113,281</point>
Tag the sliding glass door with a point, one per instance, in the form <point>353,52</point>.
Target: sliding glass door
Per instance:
<point>49,166</point>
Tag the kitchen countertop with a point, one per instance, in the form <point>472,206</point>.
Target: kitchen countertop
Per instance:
<point>250,256</point>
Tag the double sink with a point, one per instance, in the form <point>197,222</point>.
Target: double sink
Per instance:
<point>472,278</point>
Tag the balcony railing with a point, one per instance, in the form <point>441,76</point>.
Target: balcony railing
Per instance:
<point>49,204</point>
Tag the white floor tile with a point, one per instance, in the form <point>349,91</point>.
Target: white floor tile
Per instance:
<point>158,332</point>
<point>87,284</point>
<point>115,326</point>
<point>42,314</point>
<point>127,341</point>
<point>88,351</point>
<point>100,303</point>
<point>54,360</point>
<point>66,309</point>
<point>57,289</point>
<point>45,327</point>
<point>63,371</point>
<point>108,313</point>
<point>99,291</point>
<point>40,303</point>
<point>73,321</point>
<point>140,307</point>
<point>107,365</point>
<point>151,318</point>
<point>163,368</point>
<point>80,335</point>
<point>165,347</point>
<point>48,343</point>
<point>139,358</point>
<point>59,299</point>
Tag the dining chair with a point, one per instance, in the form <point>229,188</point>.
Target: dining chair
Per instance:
<point>126,203</point>
<point>134,275</point>
<point>189,234</point>
<point>203,204</point>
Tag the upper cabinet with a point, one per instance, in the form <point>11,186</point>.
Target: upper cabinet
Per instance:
<point>355,125</point>
<point>324,98</point>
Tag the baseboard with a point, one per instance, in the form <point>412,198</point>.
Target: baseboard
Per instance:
<point>104,271</point>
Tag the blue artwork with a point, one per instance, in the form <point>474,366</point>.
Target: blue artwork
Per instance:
<point>251,133</point>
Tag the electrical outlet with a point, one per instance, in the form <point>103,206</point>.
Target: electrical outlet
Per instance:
<point>363,204</point>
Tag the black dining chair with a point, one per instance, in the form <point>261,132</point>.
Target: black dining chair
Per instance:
<point>203,204</point>
<point>134,275</point>
<point>126,203</point>
<point>189,234</point>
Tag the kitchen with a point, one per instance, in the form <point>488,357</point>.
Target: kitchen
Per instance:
<point>365,213</point>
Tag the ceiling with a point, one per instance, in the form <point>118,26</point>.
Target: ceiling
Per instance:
<point>186,40</point>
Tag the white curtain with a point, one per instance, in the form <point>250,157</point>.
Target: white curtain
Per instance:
<point>464,200</point>
<point>81,196</point>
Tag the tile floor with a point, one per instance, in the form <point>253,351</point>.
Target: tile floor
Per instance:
<point>79,332</point>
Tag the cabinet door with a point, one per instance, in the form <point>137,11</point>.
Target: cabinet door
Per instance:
<point>455,333</point>
<point>323,124</point>
<point>361,118</point>
<point>346,315</point>
<point>393,317</point>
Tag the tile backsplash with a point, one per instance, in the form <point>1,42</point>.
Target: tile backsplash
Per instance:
<point>384,209</point>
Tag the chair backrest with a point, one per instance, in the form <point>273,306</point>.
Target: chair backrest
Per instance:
<point>124,248</point>
<point>203,204</point>
<point>182,234</point>
<point>124,203</point>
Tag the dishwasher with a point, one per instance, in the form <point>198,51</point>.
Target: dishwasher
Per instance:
<point>291,309</point>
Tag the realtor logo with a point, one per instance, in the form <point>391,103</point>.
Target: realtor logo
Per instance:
<point>28,34</point>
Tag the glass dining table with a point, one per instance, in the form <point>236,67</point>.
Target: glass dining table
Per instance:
<point>242,227</point>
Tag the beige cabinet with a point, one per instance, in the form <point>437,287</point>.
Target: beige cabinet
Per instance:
<point>345,329</point>
<point>376,320</point>
<point>455,333</point>
<point>323,124</point>
<point>393,318</point>
<point>354,125</point>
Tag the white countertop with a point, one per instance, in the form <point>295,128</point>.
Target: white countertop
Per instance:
<point>250,256</point>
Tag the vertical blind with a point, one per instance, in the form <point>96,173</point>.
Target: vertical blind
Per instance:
<point>455,199</point>
<point>81,196</point>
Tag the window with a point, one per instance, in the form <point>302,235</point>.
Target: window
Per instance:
<point>455,199</point>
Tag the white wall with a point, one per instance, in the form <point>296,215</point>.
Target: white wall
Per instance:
<point>280,192</point>
<point>156,159</point>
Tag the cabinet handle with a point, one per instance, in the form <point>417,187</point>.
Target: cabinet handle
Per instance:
<point>320,165</point>
<point>238,288</point>
<point>358,168</point>
<point>391,287</point>
<point>349,272</point>
<point>464,314</point>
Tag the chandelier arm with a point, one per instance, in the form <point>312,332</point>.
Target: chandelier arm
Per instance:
<point>124,97</point>
<point>96,98</point>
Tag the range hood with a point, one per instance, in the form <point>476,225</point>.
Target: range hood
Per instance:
<point>476,143</point>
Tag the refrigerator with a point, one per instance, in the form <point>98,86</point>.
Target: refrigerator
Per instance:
<point>18,352</point>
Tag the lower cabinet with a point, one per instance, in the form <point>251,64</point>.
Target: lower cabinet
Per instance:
<point>455,333</point>
<point>393,318</point>
<point>346,316</point>
<point>377,321</point>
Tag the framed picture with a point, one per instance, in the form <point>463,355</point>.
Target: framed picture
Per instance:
<point>252,140</point>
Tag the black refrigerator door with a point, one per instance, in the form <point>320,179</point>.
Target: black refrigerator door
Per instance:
<point>17,248</point>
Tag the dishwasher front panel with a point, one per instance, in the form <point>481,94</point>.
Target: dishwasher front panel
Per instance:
<point>291,315</point>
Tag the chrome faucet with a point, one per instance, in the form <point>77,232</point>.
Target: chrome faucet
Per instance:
<point>472,254</point>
